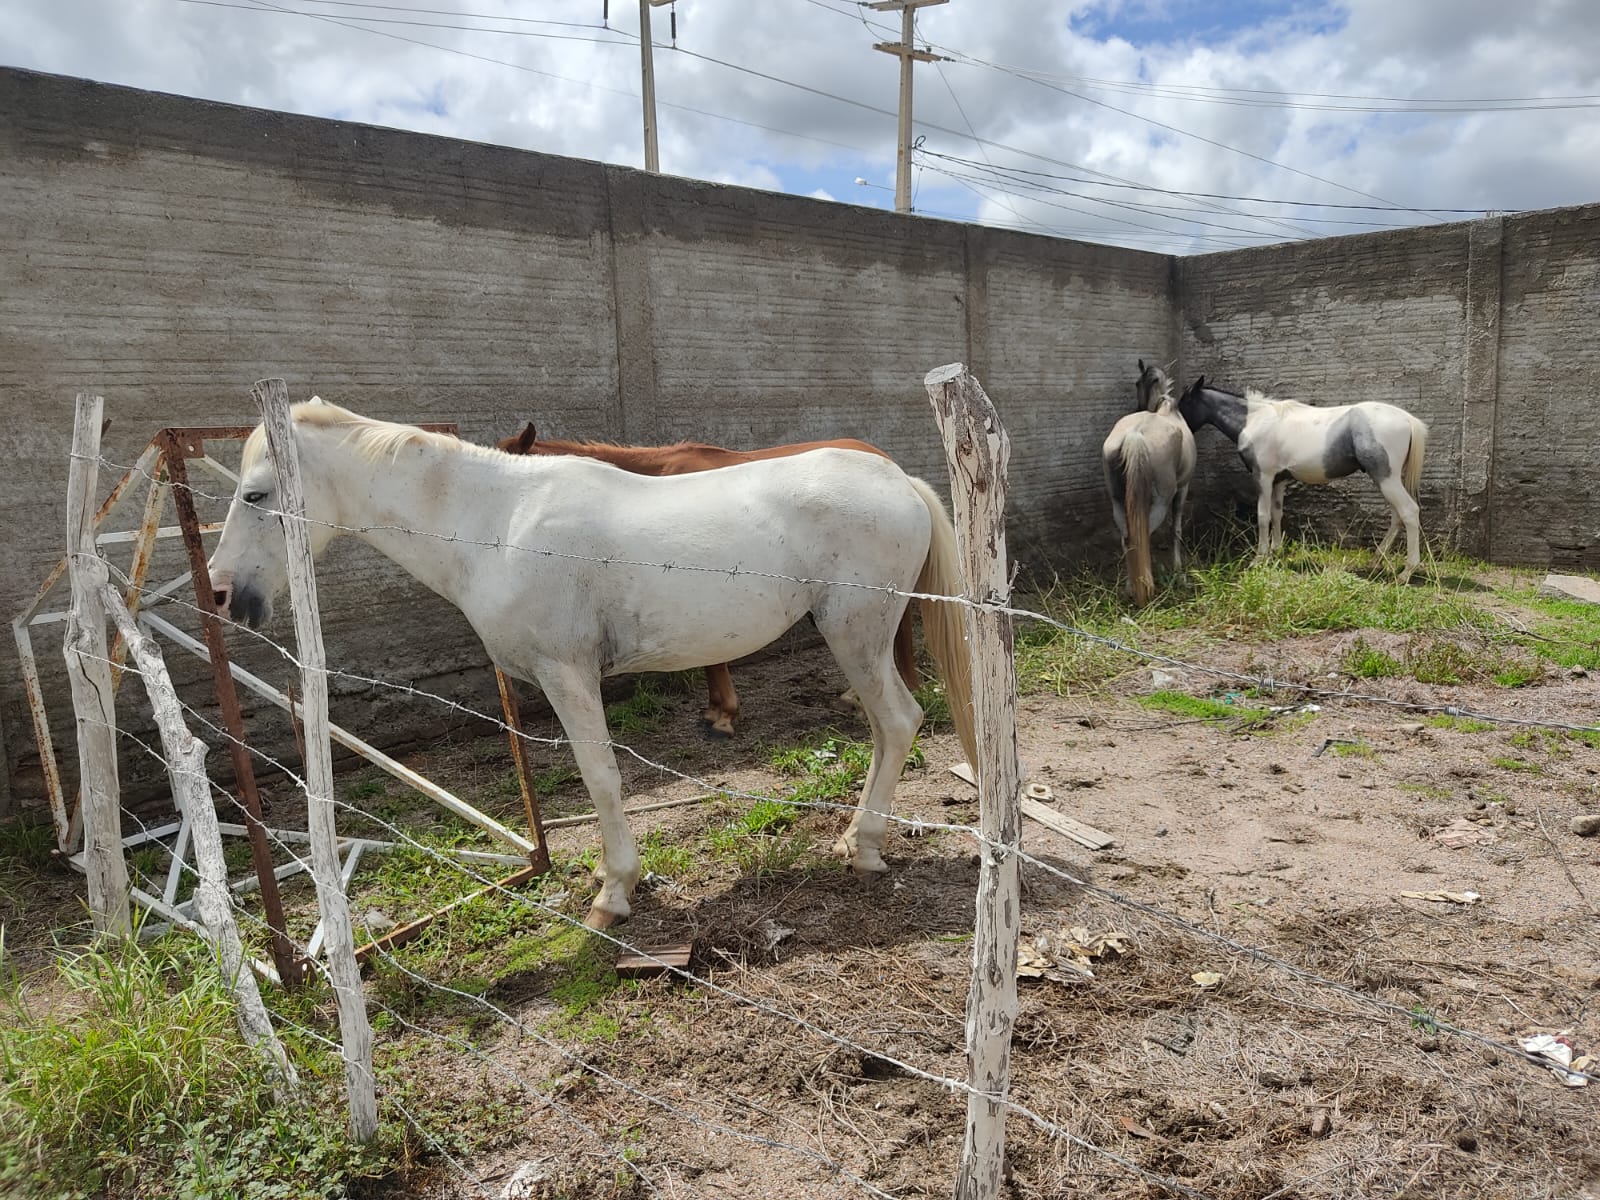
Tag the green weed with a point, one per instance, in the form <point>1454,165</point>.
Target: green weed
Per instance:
<point>1460,724</point>
<point>641,712</point>
<point>1506,763</point>
<point>1201,707</point>
<point>1365,661</point>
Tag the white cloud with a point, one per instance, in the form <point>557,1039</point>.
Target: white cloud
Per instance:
<point>572,96</point>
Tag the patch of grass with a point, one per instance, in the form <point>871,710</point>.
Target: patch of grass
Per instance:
<point>639,713</point>
<point>1427,790</point>
<point>935,704</point>
<point>1566,632</point>
<point>27,843</point>
<point>1201,707</point>
<point>1365,661</point>
<point>1517,673</point>
<point>552,779</point>
<point>1507,763</point>
<point>832,770</point>
<point>1353,750</point>
<point>142,1080</point>
<point>670,860</point>
<point>1460,724</point>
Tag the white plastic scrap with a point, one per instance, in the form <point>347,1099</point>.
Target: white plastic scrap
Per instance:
<point>1550,1046</point>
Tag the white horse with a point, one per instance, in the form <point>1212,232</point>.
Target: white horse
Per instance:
<point>571,570</point>
<point>1281,440</point>
<point>1149,460</point>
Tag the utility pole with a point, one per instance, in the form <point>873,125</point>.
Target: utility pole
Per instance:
<point>907,53</point>
<point>647,71</point>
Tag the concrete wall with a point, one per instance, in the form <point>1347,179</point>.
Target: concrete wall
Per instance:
<point>166,252</point>
<point>1485,330</point>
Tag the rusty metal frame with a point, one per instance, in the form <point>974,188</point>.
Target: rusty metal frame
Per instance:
<point>164,462</point>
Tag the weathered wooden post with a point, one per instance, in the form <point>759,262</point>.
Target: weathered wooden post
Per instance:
<point>186,767</point>
<point>978,452</point>
<point>89,670</point>
<point>355,1033</point>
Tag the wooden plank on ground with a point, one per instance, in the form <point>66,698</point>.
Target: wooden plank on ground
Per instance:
<point>653,960</point>
<point>1084,835</point>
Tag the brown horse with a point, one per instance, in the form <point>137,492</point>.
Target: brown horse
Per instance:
<point>683,458</point>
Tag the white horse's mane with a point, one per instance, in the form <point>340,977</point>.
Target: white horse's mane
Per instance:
<point>372,439</point>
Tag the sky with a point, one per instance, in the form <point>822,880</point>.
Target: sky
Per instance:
<point>1164,125</point>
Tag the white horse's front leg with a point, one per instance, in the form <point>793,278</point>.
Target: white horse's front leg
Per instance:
<point>1279,487</point>
<point>1264,520</point>
<point>575,695</point>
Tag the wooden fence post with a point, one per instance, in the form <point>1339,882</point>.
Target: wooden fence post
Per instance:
<point>89,670</point>
<point>355,1032</point>
<point>978,451</point>
<point>186,766</point>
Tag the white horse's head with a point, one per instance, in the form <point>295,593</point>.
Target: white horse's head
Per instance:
<point>250,565</point>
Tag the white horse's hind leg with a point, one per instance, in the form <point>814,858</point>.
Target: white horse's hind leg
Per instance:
<point>1177,527</point>
<point>1406,512</point>
<point>894,716</point>
<point>576,700</point>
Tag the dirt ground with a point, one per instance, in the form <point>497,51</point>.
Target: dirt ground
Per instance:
<point>1299,837</point>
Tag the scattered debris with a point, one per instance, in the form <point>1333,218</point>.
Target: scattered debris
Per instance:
<point>773,933</point>
<point>1206,979</point>
<point>1321,1123</point>
<point>1444,897</point>
<point>653,960</point>
<point>1411,727</point>
<point>1558,1049</point>
<point>1571,587</point>
<point>525,1180</point>
<point>1463,831</point>
<point>1585,826</point>
<point>1326,742</point>
<point>1038,791</point>
<point>1139,1131</point>
<point>1065,957</point>
<point>376,922</point>
<point>1162,680</point>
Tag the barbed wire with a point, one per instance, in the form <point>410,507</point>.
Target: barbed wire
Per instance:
<point>917,825</point>
<point>945,1082</point>
<point>999,605</point>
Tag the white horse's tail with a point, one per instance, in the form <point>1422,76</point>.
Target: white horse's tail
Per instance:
<point>1139,474</point>
<point>943,623</point>
<point>1411,473</point>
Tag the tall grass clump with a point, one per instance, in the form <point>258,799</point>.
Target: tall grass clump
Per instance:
<point>135,1081</point>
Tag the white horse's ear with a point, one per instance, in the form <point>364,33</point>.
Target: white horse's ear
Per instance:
<point>316,400</point>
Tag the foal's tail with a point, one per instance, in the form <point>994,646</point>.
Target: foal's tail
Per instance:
<point>1139,492</point>
<point>943,626</point>
<point>1411,473</point>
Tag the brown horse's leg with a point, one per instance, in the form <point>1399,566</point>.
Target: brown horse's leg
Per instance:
<point>722,702</point>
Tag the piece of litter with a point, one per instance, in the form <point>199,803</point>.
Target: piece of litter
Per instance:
<point>1463,832</point>
<point>525,1180</point>
<point>1039,791</point>
<point>653,960</point>
<point>1554,1048</point>
<point>376,922</point>
<point>964,772</point>
<point>773,933</point>
<point>1206,979</point>
<point>1444,897</point>
<point>1138,1130</point>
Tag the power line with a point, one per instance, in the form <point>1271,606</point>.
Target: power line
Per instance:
<point>1224,195</point>
<point>1261,158</point>
<point>619,38</point>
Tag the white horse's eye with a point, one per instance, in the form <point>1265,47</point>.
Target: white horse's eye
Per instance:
<point>254,497</point>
